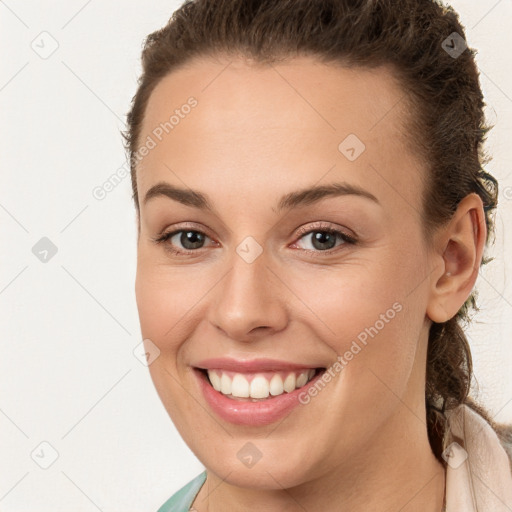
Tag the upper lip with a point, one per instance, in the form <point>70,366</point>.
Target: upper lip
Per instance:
<point>253,365</point>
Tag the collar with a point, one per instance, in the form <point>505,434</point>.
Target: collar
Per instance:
<point>478,471</point>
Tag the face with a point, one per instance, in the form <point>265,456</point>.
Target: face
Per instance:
<point>282,235</point>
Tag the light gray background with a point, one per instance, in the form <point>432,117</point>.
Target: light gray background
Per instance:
<point>68,373</point>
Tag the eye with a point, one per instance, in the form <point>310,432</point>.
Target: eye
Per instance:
<point>324,238</point>
<point>183,241</point>
<point>320,238</point>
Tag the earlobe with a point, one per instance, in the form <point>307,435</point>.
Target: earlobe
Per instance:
<point>460,253</point>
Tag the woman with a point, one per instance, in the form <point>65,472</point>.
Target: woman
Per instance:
<point>312,215</point>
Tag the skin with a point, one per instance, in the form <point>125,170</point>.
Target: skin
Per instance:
<point>258,133</point>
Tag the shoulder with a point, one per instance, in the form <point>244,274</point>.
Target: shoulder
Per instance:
<point>502,431</point>
<point>182,500</point>
<point>505,436</point>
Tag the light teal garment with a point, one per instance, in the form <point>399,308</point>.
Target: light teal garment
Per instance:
<point>182,500</point>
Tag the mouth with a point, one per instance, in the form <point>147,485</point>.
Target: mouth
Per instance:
<point>254,393</point>
<point>260,385</point>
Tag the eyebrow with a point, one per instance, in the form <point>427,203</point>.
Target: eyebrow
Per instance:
<point>302,197</point>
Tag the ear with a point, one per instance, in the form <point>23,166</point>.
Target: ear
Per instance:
<point>459,247</point>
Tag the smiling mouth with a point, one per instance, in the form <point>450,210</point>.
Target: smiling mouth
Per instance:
<point>258,386</point>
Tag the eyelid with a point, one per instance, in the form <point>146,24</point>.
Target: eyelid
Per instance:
<point>185,226</point>
<point>326,226</point>
<point>347,240</point>
<point>164,237</point>
<point>166,234</point>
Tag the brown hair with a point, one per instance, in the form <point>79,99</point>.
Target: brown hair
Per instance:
<point>446,126</point>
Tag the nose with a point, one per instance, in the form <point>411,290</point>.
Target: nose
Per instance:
<point>248,303</point>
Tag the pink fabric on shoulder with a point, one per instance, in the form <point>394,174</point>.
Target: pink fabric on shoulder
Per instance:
<point>478,474</point>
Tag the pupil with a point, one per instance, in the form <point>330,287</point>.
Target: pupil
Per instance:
<point>322,238</point>
<point>191,239</point>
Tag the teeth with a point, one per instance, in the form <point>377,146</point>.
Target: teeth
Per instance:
<point>276,385</point>
<point>303,378</point>
<point>289,383</point>
<point>225,384</point>
<point>215,380</point>
<point>259,386</point>
<point>239,386</point>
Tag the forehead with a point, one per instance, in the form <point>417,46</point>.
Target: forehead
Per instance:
<point>277,124</point>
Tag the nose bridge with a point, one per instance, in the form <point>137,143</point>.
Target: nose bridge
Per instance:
<point>248,297</point>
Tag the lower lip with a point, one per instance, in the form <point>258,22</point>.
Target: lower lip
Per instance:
<point>259,413</point>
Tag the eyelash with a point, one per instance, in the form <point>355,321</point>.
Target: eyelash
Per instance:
<point>320,228</point>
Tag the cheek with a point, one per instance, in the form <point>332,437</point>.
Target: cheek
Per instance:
<point>165,302</point>
<point>367,314</point>
<point>165,297</point>
<point>345,302</point>
<point>157,307</point>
